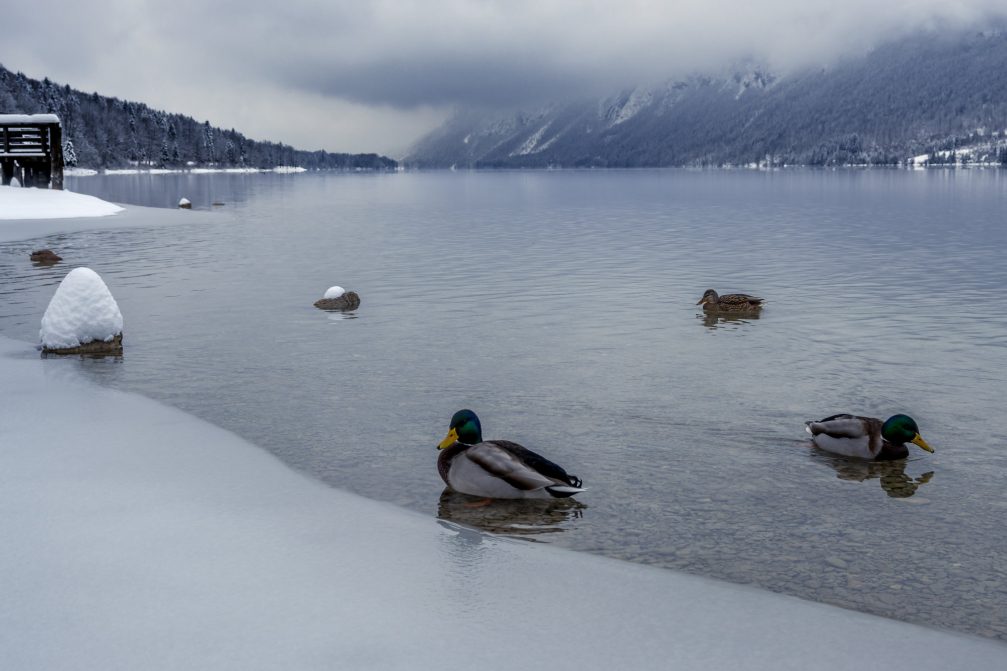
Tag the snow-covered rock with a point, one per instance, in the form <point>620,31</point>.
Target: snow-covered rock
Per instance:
<point>82,316</point>
<point>185,203</point>
<point>337,298</point>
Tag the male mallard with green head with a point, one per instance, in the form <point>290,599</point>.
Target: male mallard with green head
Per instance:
<point>711,302</point>
<point>498,469</point>
<point>867,437</point>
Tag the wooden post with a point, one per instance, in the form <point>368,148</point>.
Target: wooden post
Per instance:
<point>6,171</point>
<point>56,151</point>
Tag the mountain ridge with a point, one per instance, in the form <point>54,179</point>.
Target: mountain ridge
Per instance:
<point>106,132</point>
<point>927,94</point>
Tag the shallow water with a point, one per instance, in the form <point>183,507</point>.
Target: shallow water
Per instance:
<point>561,307</point>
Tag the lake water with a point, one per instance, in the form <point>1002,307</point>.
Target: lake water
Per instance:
<point>561,307</point>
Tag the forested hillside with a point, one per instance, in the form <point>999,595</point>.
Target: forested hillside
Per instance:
<point>939,97</point>
<point>103,132</point>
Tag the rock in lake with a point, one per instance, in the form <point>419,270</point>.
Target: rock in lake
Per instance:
<point>82,317</point>
<point>45,257</point>
<point>337,298</point>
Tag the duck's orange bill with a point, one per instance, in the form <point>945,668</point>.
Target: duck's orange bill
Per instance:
<point>918,440</point>
<point>452,438</point>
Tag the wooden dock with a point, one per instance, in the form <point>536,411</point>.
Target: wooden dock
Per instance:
<point>31,149</point>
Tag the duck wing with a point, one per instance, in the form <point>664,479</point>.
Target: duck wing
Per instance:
<point>845,426</point>
<point>849,435</point>
<point>740,300</point>
<point>518,466</point>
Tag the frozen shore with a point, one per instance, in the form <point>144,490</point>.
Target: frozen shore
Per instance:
<point>27,214</point>
<point>139,537</point>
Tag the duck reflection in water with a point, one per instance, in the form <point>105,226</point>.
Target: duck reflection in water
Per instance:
<point>712,320</point>
<point>518,518</point>
<point>891,474</point>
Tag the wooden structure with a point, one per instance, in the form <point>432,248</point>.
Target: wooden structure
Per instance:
<point>31,149</point>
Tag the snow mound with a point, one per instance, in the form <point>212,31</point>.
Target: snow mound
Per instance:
<point>81,311</point>
<point>21,203</point>
<point>334,292</point>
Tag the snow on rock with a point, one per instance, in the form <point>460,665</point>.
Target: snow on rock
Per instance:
<point>81,311</point>
<point>185,203</point>
<point>337,298</point>
<point>21,203</point>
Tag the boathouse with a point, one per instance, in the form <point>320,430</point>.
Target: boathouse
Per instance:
<point>31,150</point>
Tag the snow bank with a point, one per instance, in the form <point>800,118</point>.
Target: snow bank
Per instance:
<point>82,310</point>
<point>25,214</point>
<point>137,537</point>
<point>19,203</point>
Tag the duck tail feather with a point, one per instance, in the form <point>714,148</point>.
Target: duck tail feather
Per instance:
<point>564,491</point>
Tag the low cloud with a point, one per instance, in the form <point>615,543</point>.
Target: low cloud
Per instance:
<point>383,71</point>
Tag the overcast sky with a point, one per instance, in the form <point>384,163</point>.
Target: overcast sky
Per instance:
<point>374,75</point>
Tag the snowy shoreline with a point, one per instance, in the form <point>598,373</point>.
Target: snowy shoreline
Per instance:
<point>28,214</point>
<point>147,538</point>
<point>142,537</point>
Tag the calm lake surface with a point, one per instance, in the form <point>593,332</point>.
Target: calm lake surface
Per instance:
<point>560,306</point>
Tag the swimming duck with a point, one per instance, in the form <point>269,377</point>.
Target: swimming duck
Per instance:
<point>711,302</point>
<point>867,437</point>
<point>498,469</point>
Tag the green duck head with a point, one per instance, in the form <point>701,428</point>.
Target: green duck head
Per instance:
<point>465,428</point>
<point>900,429</point>
<point>709,296</point>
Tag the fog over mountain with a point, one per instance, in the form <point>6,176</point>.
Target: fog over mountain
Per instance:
<point>941,93</point>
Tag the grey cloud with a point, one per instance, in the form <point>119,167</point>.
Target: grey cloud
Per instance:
<point>404,55</point>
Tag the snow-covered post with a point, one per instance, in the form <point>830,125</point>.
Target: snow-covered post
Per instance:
<point>82,317</point>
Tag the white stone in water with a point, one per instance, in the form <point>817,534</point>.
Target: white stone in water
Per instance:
<point>81,311</point>
<point>334,292</point>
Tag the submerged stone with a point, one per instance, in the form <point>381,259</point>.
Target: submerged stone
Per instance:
<point>45,257</point>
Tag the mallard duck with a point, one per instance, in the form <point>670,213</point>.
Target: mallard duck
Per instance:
<point>711,302</point>
<point>867,437</point>
<point>337,298</point>
<point>498,469</point>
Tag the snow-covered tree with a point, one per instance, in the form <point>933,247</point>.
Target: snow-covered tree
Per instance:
<point>69,154</point>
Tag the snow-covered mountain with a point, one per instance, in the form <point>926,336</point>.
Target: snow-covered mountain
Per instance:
<point>928,94</point>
